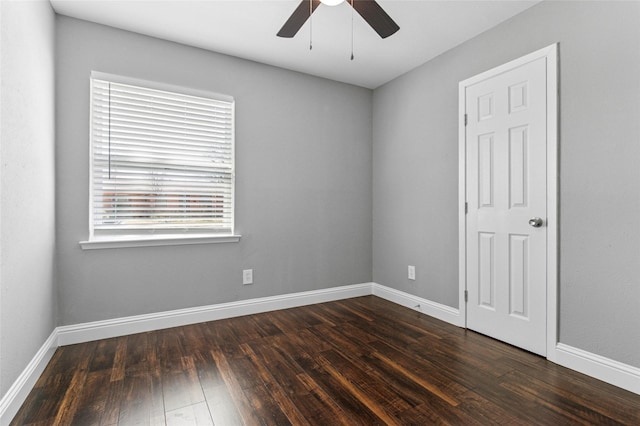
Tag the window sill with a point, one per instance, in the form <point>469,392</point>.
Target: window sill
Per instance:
<point>151,241</point>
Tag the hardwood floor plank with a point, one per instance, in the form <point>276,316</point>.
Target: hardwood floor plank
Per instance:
<point>264,326</point>
<point>361,361</point>
<point>529,410</point>
<point>338,341</point>
<point>304,318</point>
<point>222,337</point>
<point>349,403</point>
<point>457,364</point>
<point>358,373</point>
<point>320,408</point>
<point>154,370</point>
<point>281,398</point>
<point>384,373</point>
<point>111,412</point>
<point>339,314</point>
<point>221,407</point>
<point>285,322</point>
<point>105,354</point>
<point>309,341</point>
<point>427,384</point>
<point>383,309</point>
<point>43,402</point>
<point>117,370</point>
<point>480,409</point>
<point>283,369</point>
<point>219,402</point>
<point>265,407</point>
<point>135,407</point>
<point>191,415</point>
<point>244,329</point>
<point>182,388</point>
<point>361,395</point>
<point>218,332</point>
<point>240,401</point>
<point>142,386</point>
<point>562,401</point>
<point>425,416</point>
<point>606,399</point>
<point>319,313</point>
<point>93,399</point>
<point>360,334</point>
<point>73,394</point>
<point>387,331</point>
<point>348,308</point>
<point>430,376</point>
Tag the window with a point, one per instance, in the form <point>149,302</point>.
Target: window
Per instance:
<point>162,161</point>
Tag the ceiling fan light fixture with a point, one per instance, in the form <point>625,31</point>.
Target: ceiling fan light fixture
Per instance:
<point>370,11</point>
<point>331,2</point>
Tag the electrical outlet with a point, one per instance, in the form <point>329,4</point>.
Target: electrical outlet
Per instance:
<point>412,272</point>
<point>247,276</point>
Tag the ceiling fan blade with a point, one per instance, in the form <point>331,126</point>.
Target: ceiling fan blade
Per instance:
<point>298,18</point>
<point>375,16</point>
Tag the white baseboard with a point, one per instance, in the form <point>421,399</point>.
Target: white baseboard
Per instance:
<point>610,371</point>
<point>613,372</point>
<point>433,309</point>
<point>19,390</point>
<point>605,369</point>
<point>79,333</point>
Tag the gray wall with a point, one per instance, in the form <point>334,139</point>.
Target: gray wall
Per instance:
<point>27,221</point>
<point>303,188</point>
<point>415,164</point>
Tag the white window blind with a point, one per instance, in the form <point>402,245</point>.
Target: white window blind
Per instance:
<point>162,161</point>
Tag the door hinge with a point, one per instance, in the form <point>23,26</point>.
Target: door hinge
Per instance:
<point>465,119</point>
<point>466,296</point>
<point>466,207</point>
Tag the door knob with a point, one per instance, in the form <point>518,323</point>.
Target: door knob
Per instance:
<point>536,222</point>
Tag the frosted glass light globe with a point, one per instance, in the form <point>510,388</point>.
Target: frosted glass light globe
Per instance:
<point>331,2</point>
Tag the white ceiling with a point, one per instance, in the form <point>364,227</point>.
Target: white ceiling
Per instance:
<point>247,29</point>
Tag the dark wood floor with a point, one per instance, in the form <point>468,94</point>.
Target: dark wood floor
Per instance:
<point>359,361</point>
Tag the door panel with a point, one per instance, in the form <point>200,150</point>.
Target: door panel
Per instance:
<point>519,275</point>
<point>506,186</point>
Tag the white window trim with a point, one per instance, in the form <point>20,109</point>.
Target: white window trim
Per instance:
<point>152,239</point>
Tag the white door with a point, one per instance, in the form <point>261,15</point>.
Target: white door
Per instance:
<point>506,192</point>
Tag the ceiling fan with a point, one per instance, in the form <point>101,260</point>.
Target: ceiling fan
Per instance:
<point>370,11</point>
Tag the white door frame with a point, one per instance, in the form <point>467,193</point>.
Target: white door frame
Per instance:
<point>551,55</point>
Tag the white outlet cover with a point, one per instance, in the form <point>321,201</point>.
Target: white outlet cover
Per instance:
<point>412,272</point>
<point>247,276</point>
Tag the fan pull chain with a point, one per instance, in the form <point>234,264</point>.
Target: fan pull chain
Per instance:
<point>310,24</point>
<point>352,30</point>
